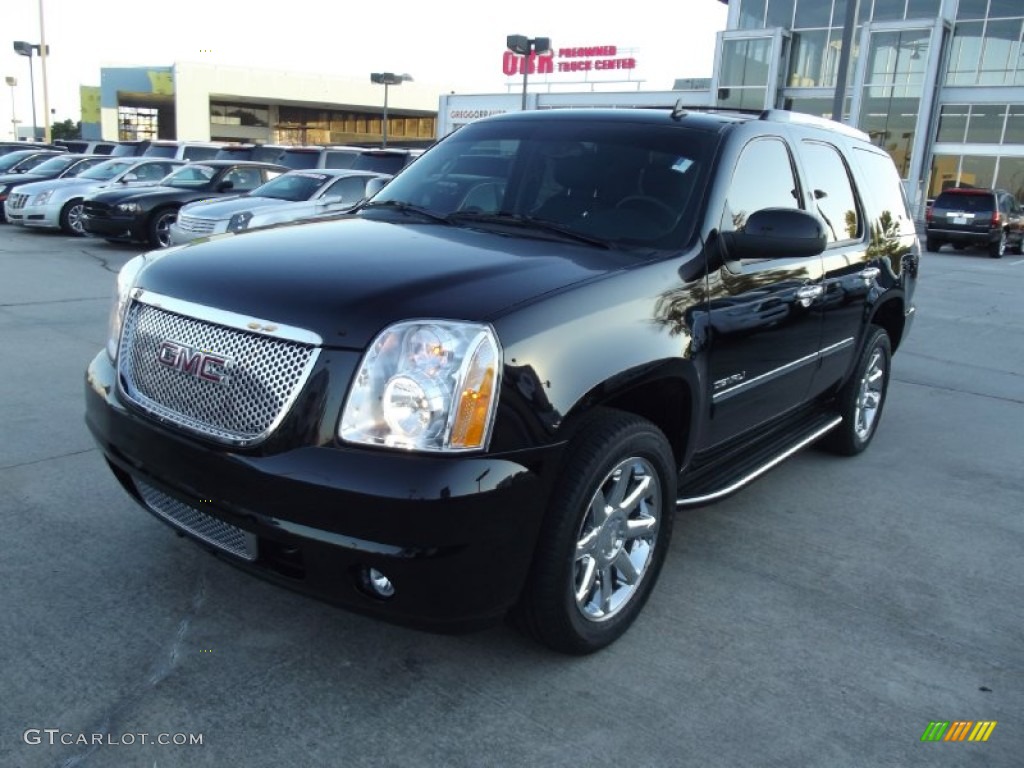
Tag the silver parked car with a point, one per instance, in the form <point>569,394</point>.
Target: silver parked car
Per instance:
<point>291,196</point>
<point>57,203</point>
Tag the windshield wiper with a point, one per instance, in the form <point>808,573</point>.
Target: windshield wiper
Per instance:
<point>404,207</point>
<point>529,222</point>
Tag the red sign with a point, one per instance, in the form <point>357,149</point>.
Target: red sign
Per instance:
<point>596,58</point>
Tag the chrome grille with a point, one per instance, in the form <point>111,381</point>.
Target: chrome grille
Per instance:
<point>17,201</point>
<point>196,225</point>
<point>210,529</point>
<point>261,378</point>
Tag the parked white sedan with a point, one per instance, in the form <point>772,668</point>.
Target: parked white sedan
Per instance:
<point>291,196</point>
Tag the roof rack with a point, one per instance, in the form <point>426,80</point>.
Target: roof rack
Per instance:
<point>801,118</point>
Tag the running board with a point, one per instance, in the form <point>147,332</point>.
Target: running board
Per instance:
<point>711,486</point>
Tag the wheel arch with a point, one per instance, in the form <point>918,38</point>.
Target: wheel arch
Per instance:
<point>890,315</point>
<point>664,394</point>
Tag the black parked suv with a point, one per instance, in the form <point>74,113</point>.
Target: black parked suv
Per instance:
<point>986,218</point>
<point>146,214</point>
<point>490,389</point>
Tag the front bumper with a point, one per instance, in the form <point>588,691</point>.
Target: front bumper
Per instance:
<point>115,227</point>
<point>455,535</point>
<point>43,216</point>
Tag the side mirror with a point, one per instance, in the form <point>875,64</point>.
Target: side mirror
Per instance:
<point>375,185</point>
<point>225,185</point>
<point>775,233</point>
<point>129,177</point>
<point>330,200</point>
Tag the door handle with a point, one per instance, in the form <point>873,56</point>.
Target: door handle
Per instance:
<point>807,294</point>
<point>868,274</point>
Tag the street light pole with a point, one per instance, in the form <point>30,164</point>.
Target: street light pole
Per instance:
<point>23,48</point>
<point>43,51</point>
<point>387,79</point>
<point>13,81</point>
<point>525,46</point>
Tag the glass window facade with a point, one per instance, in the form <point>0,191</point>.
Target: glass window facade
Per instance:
<point>979,138</point>
<point>743,78</point>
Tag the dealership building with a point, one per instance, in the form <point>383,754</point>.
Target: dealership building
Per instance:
<point>938,83</point>
<point>203,102</point>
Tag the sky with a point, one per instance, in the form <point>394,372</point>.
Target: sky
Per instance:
<point>455,45</point>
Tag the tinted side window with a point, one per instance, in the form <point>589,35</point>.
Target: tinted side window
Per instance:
<point>763,178</point>
<point>351,188</point>
<point>200,153</point>
<point>885,188</point>
<point>833,196</point>
<point>160,151</point>
<point>340,159</point>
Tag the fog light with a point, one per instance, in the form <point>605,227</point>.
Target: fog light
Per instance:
<point>379,584</point>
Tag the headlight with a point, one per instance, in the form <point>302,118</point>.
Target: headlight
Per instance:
<point>125,283</point>
<point>43,197</point>
<point>239,221</point>
<point>128,208</point>
<point>425,385</point>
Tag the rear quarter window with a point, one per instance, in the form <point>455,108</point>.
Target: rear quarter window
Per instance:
<point>881,184</point>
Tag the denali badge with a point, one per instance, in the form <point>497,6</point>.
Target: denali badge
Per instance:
<point>208,366</point>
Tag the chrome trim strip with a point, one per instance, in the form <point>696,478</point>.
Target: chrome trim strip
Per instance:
<point>839,345</point>
<point>817,434</point>
<point>725,394</point>
<point>226,318</point>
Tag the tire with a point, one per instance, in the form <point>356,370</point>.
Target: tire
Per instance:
<point>932,244</point>
<point>71,218</point>
<point>861,400</point>
<point>959,247</point>
<point>160,227</point>
<point>596,562</point>
<point>998,248</point>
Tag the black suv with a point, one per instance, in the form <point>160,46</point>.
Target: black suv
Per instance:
<point>491,388</point>
<point>987,218</point>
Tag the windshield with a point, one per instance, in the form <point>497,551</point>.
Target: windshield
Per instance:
<point>292,186</point>
<point>106,170</point>
<point>55,164</point>
<point>190,176</point>
<point>21,159</point>
<point>624,183</point>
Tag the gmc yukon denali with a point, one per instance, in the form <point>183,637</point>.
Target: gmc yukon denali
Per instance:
<point>488,391</point>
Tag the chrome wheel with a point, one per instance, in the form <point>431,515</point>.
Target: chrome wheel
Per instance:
<point>75,219</point>
<point>998,248</point>
<point>616,539</point>
<point>862,398</point>
<point>71,218</point>
<point>869,398</point>
<point>160,229</point>
<point>604,536</point>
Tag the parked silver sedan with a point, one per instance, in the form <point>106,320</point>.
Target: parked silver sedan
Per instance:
<point>57,203</point>
<point>289,197</point>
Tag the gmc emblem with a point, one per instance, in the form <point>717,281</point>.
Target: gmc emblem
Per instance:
<point>208,366</point>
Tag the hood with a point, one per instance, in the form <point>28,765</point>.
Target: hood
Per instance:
<point>68,182</point>
<point>348,279</point>
<point>23,178</point>
<point>127,192</point>
<point>226,208</point>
